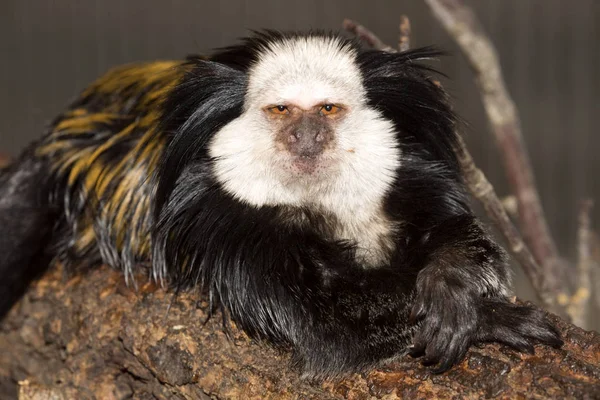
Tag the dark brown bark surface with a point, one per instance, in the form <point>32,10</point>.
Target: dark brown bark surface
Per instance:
<point>90,336</point>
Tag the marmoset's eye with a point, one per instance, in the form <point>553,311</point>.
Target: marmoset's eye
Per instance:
<point>329,109</point>
<point>279,110</point>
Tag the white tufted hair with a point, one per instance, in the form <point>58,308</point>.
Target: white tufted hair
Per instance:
<point>353,176</point>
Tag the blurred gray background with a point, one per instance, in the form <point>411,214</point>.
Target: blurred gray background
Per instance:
<point>548,48</point>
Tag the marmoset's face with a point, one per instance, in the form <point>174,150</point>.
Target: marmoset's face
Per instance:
<point>305,133</point>
<point>306,129</point>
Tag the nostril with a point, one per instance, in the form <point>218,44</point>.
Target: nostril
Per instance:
<point>320,137</point>
<point>292,138</point>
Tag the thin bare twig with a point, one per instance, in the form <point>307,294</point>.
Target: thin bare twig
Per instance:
<point>580,300</point>
<point>404,36</point>
<point>595,266</point>
<point>365,35</point>
<point>510,205</point>
<point>462,25</point>
<point>483,191</point>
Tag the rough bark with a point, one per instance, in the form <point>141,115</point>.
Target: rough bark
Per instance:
<point>91,337</point>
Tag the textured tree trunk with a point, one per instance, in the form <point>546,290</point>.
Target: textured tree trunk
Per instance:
<point>91,337</point>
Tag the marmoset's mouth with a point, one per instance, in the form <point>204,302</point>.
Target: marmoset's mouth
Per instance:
<point>306,164</point>
<point>312,166</point>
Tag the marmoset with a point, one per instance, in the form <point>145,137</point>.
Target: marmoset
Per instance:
<point>307,186</point>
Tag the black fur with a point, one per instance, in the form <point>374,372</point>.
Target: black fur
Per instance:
<point>293,285</point>
<point>26,222</point>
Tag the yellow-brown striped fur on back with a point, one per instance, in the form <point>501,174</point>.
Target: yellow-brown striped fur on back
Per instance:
<point>103,150</point>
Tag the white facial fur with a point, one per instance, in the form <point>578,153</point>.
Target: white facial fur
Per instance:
<point>354,174</point>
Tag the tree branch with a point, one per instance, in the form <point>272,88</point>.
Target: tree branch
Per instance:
<point>404,36</point>
<point>580,301</point>
<point>595,255</point>
<point>365,35</point>
<point>483,191</point>
<point>93,337</point>
<point>462,25</point>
